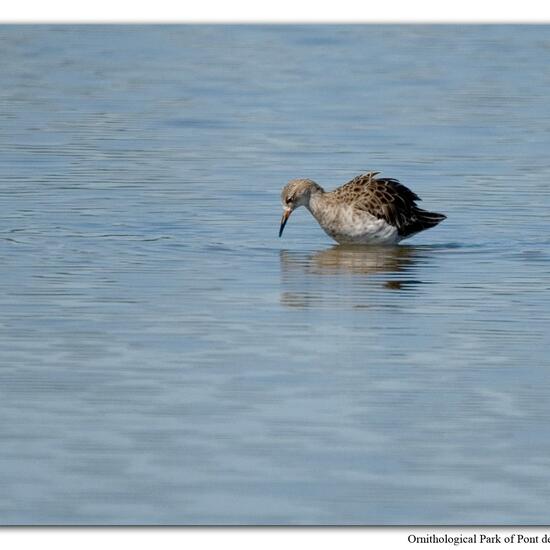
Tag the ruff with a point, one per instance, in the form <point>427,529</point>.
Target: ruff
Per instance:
<point>366,210</point>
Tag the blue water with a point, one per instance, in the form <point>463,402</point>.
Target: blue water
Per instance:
<point>166,359</point>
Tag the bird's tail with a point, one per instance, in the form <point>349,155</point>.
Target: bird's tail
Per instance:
<point>423,220</point>
<point>429,219</point>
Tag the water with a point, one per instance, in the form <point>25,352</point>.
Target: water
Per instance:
<point>166,359</point>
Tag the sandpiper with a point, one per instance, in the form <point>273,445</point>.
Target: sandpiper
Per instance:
<point>366,210</point>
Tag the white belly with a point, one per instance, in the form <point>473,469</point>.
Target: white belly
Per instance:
<point>348,225</point>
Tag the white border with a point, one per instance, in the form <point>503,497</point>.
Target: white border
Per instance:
<point>257,538</point>
<point>289,11</point>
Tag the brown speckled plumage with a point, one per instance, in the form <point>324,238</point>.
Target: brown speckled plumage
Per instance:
<point>387,199</point>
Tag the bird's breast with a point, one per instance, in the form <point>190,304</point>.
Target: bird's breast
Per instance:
<point>346,224</point>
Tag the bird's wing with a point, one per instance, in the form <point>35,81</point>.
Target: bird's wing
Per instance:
<point>384,198</point>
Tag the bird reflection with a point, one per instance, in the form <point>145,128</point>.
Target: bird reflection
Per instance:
<point>344,273</point>
<point>359,260</point>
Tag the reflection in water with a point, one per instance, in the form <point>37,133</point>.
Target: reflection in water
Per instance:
<point>360,260</point>
<point>346,271</point>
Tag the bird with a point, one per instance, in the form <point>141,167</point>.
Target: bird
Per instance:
<point>366,210</point>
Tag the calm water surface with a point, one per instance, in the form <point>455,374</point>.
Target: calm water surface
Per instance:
<point>165,358</point>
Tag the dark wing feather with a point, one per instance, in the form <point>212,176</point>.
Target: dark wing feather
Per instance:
<point>387,199</point>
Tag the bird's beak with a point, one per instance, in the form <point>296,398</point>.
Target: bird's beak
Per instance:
<point>284,219</point>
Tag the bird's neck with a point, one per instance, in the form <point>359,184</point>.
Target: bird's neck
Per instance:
<point>316,202</point>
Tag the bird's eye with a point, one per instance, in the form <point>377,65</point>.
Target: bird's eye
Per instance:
<point>288,200</point>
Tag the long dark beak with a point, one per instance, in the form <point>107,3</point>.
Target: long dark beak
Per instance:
<point>284,219</point>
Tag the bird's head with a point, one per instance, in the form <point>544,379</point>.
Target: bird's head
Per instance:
<point>294,194</point>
